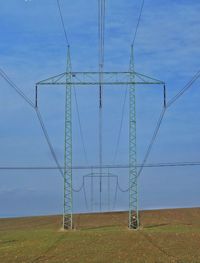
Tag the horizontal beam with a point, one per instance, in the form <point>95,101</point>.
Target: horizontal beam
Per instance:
<point>104,83</point>
<point>92,79</point>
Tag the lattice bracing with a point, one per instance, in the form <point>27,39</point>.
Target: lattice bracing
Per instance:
<point>68,200</point>
<point>71,79</point>
<point>133,188</point>
<point>92,78</point>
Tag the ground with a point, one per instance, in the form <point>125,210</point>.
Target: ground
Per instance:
<point>165,236</point>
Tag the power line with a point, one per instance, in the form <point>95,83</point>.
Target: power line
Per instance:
<point>75,93</point>
<point>182,91</point>
<point>197,75</point>
<point>14,86</point>
<point>115,196</point>
<point>101,35</point>
<point>138,23</point>
<point>20,92</point>
<point>48,140</point>
<point>79,189</point>
<point>116,166</point>
<point>173,100</point>
<point>101,32</point>
<point>158,125</point>
<point>120,127</point>
<point>152,140</point>
<point>121,189</point>
<point>78,113</point>
<point>62,21</point>
<point>85,195</point>
<point>80,126</point>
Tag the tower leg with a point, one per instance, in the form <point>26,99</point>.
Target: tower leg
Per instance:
<point>68,200</point>
<point>133,188</point>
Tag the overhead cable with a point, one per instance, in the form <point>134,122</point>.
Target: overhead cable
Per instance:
<point>182,91</point>
<point>169,104</point>
<point>14,86</point>
<point>101,35</point>
<point>138,23</point>
<point>79,189</point>
<point>116,166</point>
<point>152,140</point>
<point>120,127</point>
<point>74,88</point>
<point>85,195</point>
<point>20,92</point>
<point>80,126</point>
<point>48,140</point>
<point>62,21</point>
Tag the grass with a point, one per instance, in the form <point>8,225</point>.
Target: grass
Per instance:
<point>165,236</point>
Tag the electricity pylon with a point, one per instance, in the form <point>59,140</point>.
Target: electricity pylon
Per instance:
<point>133,179</point>
<point>69,79</point>
<point>68,198</point>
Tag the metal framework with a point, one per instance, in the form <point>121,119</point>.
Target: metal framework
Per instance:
<point>70,79</point>
<point>133,186</point>
<point>68,199</point>
<point>92,79</point>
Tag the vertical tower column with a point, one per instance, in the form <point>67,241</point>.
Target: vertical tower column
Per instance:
<point>133,188</point>
<point>68,198</point>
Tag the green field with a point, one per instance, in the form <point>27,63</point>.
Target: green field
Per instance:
<point>165,236</point>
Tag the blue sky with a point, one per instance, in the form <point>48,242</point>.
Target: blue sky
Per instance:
<point>33,47</point>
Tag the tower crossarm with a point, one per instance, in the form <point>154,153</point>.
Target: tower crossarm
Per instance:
<point>92,78</point>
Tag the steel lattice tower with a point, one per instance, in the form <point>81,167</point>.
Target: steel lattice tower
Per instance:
<point>68,199</point>
<point>70,79</point>
<point>133,187</point>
